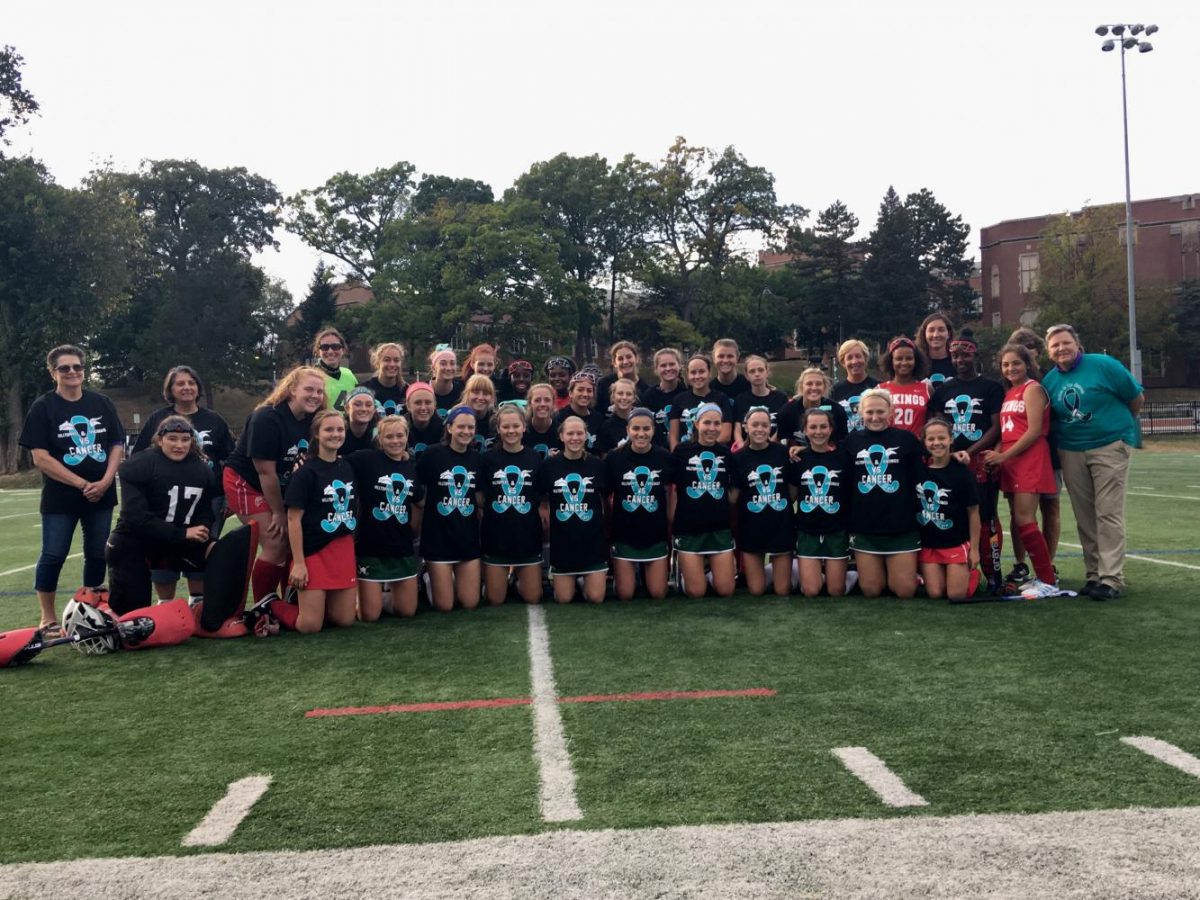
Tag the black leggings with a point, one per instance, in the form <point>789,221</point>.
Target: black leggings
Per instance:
<point>129,561</point>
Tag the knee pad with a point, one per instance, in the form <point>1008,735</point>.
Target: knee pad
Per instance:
<point>169,623</point>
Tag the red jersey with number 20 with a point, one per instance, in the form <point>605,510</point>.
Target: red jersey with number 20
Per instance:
<point>910,403</point>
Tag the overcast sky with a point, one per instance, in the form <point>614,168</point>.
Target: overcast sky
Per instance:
<point>1003,110</point>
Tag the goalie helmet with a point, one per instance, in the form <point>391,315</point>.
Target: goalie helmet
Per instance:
<point>92,630</point>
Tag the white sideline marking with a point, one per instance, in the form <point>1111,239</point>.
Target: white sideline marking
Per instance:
<point>1167,753</point>
<point>34,566</point>
<point>556,795</point>
<point>1161,496</point>
<point>874,773</point>
<point>1149,559</point>
<point>18,515</point>
<point>224,818</point>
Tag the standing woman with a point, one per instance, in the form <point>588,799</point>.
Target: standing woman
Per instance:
<point>387,384</point>
<point>812,392</point>
<point>1024,460</point>
<point>450,528</point>
<point>329,348</point>
<point>385,482</point>
<point>761,393</point>
<point>425,426</point>
<point>933,339</point>
<point>822,474</point>
<point>520,377</point>
<point>625,364</point>
<point>77,442</point>
<point>256,474</point>
<point>321,526</point>
<point>581,403</point>
<point>558,371</point>
<point>572,487</point>
<point>685,406</point>
<point>637,476</point>
<point>906,367</point>
<point>615,428</point>
<point>1095,403</point>
<point>480,361</point>
<point>181,390</point>
<point>759,490</point>
<point>443,378</point>
<point>883,514</point>
<point>166,520</point>
<point>361,415</point>
<point>853,356</point>
<point>668,364</point>
<point>541,434</point>
<point>479,393</point>
<point>699,506</point>
<point>511,533</point>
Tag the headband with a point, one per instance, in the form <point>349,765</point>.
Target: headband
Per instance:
<point>418,386</point>
<point>439,355</point>
<point>964,342</point>
<point>559,362</point>
<point>640,412</point>
<point>459,411</point>
<point>520,365</point>
<point>359,391</point>
<point>754,409</point>
<point>708,407</point>
<point>583,376</point>
<point>901,342</point>
<point>176,427</point>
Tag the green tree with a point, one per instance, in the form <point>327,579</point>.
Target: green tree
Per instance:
<point>442,188</point>
<point>894,302</point>
<point>316,310</point>
<point>828,264</point>
<point>64,268</point>
<point>348,217</point>
<point>1082,280</point>
<point>17,104</point>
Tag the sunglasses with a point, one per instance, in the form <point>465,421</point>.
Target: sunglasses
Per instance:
<point>329,346</point>
<point>65,368</point>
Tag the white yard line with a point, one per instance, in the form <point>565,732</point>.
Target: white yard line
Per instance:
<point>1047,856</point>
<point>874,773</point>
<point>556,794</point>
<point>34,566</point>
<point>224,818</point>
<point>1167,753</point>
<point>1149,559</point>
<point>1160,496</point>
<point>18,515</point>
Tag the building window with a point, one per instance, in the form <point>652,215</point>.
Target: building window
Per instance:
<point>995,282</point>
<point>995,320</point>
<point>1027,271</point>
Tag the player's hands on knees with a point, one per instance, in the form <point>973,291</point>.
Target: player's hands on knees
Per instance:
<point>299,575</point>
<point>276,525</point>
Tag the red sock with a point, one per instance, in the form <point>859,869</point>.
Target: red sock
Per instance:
<point>285,613</point>
<point>264,578</point>
<point>1039,553</point>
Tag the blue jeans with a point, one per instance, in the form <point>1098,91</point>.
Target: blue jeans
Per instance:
<point>57,531</point>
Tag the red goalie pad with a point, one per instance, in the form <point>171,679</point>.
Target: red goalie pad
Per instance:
<point>232,627</point>
<point>172,624</point>
<point>19,646</point>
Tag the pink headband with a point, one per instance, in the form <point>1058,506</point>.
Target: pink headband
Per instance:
<point>418,386</point>
<point>442,354</point>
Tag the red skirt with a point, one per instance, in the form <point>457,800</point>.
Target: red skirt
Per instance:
<point>1029,473</point>
<point>332,568</point>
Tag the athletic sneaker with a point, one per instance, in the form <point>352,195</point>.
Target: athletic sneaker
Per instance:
<point>1035,590</point>
<point>1019,574</point>
<point>258,618</point>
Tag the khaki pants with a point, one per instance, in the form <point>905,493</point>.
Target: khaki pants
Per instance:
<point>1095,480</point>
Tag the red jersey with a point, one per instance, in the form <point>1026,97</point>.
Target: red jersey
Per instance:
<point>910,402</point>
<point>1013,420</point>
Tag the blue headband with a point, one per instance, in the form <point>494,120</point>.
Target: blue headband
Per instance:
<point>708,407</point>
<point>459,411</point>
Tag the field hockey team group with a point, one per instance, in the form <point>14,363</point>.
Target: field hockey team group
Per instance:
<point>483,475</point>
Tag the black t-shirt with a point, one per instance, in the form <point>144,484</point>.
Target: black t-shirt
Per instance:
<point>421,439</point>
<point>702,481</point>
<point>484,440</point>
<point>774,402</point>
<point>389,401</point>
<point>80,434</point>
<point>604,386</point>
<point>325,491</point>
<point>826,483</point>
<point>449,527</point>
<point>574,489</point>
<point>614,431</point>
<point>449,400</point>
<point>791,422</point>
<point>355,443</point>
<point>638,483</point>
<point>684,406</point>
<point>945,496</point>
<point>734,389</point>
<point>847,394</point>
<point>886,466</point>
<point>593,421</point>
<point>764,510</point>
<point>660,403</point>
<point>273,433</point>
<point>941,370</point>
<point>512,527</point>
<point>387,491</point>
<point>212,432</point>
<point>161,498</point>
<point>968,406</point>
<point>542,441</point>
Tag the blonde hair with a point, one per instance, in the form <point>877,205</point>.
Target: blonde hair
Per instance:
<point>725,342</point>
<point>320,416</point>
<point>875,393</point>
<point>508,408</point>
<point>813,370</point>
<point>377,356</point>
<point>388,422</point>
<point>632,386</point>
<point>478,383</point>
<point>753,357</point>
<point>853,344</point>
<point>286,386</point>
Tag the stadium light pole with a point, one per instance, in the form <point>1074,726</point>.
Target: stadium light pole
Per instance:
<point>1126,37</point>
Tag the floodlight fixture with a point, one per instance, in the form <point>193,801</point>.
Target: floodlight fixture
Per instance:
<point>1118,30</point>
<point>1151,29</point>
<point>1136,29</point>
<point>1107,45</point>
<point>1145,47</point>
<point>1102,30</point>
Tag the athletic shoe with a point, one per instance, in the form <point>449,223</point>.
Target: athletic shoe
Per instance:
<point>258,618</point>
<point>1019,574</point>
<point>1089,587</point>
<point>1105,592</point>
<point>1036,590</point>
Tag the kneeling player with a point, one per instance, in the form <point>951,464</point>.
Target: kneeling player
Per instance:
<point>949,518</point>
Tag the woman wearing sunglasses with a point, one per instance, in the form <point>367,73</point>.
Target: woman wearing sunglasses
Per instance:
<point>77,443</point>
<point>329,349</point>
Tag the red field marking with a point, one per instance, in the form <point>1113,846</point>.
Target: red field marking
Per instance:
<point>525,701</point>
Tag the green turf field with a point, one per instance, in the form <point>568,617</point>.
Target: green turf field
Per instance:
<point>1012,707</point>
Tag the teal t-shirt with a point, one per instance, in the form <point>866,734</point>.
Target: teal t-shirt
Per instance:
<point>1091,403</point>
<point>336,389</point>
